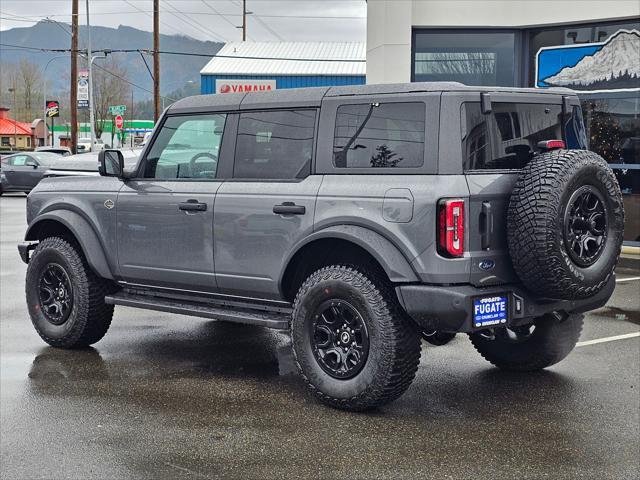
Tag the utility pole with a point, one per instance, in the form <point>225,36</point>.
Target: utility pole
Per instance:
<point>90,59</point>
<point>74,76</point>
<point>156,60</point>
<point>244,20</point>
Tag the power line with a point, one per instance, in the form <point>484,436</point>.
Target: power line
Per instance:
<point>192,54</point>
<point>191,22</point>
<point>150,14</point>
<point>216,12</point>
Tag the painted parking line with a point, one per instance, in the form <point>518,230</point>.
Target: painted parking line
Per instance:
<point>630,279</point>
<point>608,339</point>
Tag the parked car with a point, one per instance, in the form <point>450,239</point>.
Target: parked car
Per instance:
<point>64,151</point>
<point>354,217</point>
<point>22,171</point>
<point>84,145</point>
<point>86,164</point>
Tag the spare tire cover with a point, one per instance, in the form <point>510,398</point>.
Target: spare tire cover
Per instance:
<point>565,224</point>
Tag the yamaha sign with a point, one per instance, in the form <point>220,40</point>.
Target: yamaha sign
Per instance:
<point>244,86</point>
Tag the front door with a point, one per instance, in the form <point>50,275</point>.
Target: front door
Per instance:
<point>165,216</point>
<point>269,204</point>
<point>22,173</point>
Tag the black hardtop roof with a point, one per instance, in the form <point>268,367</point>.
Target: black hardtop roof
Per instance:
<point>313,96</point>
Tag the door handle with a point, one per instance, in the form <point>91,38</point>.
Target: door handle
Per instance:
<point>486,226</point>
<point>289,208</point>
<point>192,205</point>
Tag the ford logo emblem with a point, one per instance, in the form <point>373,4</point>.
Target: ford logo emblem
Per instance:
<point>487,264</point>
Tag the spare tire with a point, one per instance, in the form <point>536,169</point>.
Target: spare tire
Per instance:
<point>565,224</point>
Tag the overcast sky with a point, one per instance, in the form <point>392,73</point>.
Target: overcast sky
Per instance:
<point>292,20</point>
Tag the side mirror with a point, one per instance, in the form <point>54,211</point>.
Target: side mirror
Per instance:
<point>110,163</point>
<point>31,163</point>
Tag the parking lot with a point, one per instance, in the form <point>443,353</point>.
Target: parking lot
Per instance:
<point>165,396</point>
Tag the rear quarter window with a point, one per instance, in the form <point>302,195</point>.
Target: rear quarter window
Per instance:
<point>379,135</point>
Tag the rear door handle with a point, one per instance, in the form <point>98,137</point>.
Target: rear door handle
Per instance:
<point>289,208</point>
<point>486,226</point>
<point>192,205</point>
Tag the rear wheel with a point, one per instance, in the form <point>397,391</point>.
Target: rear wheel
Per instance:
<point>543,343</point>
<point>64,297</point>
<point>354,346</point>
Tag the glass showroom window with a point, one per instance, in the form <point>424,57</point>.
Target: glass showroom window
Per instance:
<point>613,127</point>
<point>473,58</point>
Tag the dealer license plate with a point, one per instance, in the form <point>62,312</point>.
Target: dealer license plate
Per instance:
<point>490,311</point>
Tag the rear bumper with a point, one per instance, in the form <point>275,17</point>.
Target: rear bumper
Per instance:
<point>449,308</point>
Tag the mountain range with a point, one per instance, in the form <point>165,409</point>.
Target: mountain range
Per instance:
<point>175,70</point>
<point>615,65</point>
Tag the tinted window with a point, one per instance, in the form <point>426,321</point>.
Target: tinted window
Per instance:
<point>379,135</point>
<point>186,147</point>
<point>506,138</point>
<point>275,144</point>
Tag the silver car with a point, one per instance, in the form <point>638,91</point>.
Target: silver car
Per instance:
<point>22,171</point>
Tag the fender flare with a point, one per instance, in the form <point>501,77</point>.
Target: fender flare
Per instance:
<point>84,234</point>
<point>393,262</point>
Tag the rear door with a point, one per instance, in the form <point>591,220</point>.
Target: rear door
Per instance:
<point>495,147</point>
<point>268,205</point>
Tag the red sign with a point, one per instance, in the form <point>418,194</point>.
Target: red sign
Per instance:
<point>244,86</point>
<point>119,122</point>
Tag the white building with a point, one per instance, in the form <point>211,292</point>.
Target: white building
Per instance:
<point>590,46</point>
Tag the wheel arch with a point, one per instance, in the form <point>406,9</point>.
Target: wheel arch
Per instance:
<point>337,244</point>
<point>67,223</point>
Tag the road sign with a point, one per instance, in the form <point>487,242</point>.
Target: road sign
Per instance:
<point>119,122</point>
<point>117,109</point>
<point>83,89</point>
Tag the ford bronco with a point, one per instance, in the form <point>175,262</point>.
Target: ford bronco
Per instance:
<point>356,217</point>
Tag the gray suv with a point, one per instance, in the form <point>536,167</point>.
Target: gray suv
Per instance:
<point>358,218</point>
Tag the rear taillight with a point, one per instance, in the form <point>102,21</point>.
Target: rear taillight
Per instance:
<point>551,144</point>
<point>451,227</point>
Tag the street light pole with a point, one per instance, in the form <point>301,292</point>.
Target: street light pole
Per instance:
<point>44,99</point>
<point>91,117</point>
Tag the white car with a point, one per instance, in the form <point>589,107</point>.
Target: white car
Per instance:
<point>84,145</point>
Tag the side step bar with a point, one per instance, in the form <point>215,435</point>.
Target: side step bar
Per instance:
<point>270,319</point>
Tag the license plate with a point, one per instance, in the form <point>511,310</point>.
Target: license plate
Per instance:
<point>490,311</point>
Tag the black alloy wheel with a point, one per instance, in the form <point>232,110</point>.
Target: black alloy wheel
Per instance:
<point>339,338</point>
<point>55,293</point>
<point>586,224</point>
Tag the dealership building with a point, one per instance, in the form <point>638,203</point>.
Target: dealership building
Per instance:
<point>592,47</point>
<point>263,66</point>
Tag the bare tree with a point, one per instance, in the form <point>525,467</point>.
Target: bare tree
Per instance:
<point>30,81</point>
<point>110,87</point>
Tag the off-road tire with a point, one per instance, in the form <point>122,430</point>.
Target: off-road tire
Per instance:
<point>394,341</point>
<point>554,337</point>
<point>90,317</point>
<point>536,224</point>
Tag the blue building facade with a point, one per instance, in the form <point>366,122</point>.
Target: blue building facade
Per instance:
<point>208,82</point>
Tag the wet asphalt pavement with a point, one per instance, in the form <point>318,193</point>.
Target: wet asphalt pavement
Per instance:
<point>165,396</point>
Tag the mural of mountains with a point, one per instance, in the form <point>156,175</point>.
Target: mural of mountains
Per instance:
<point>615,65</point>
<point>175,70</point>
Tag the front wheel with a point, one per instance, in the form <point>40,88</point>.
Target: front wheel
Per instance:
<point>543,343</point>
<point>353,344</point>
<point>64,297</point>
